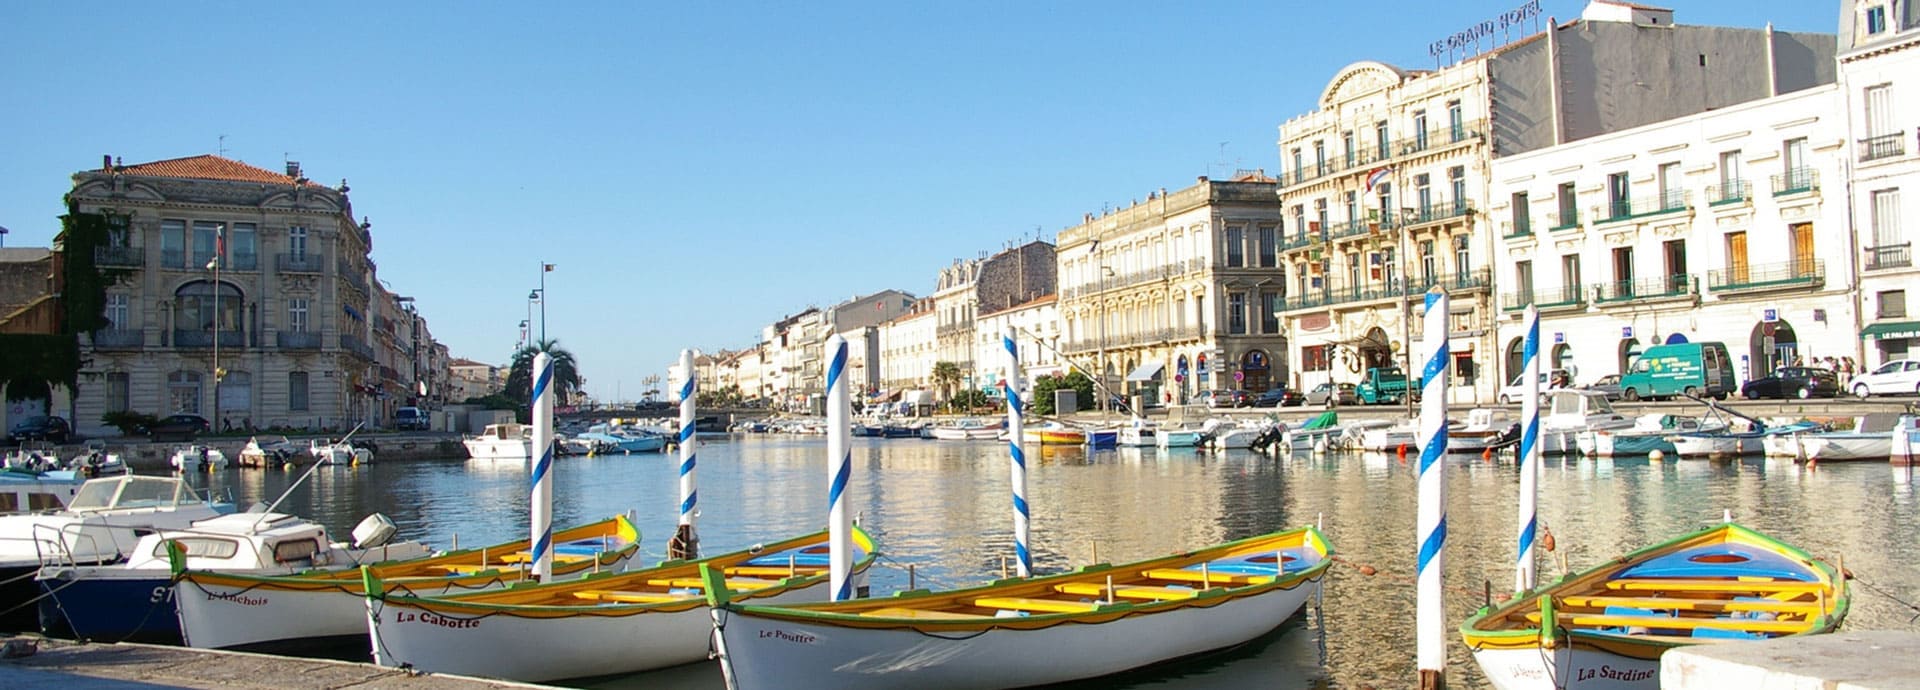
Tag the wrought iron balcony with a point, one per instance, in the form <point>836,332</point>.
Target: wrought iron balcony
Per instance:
<point>1796,181</point>
<point>1549,298</point>
<point>1659,287</point>
<point>1445,210</point>
<point>1790,274</point>
<point>300,263</point>
<point>1883,146</point>
<point>133,257</point>
<point>1669,201</point>
<point>242,262</point>
<point>198,338</point>
<point>356,346</point>
<point>1890,256</point>
<point>297,340</point>
<point>1729,192</point>
<point>1567,219</point>
<point>113,338</point>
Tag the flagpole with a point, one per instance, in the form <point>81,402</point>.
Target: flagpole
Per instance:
<point>544,269</point>
<point>219,247</point>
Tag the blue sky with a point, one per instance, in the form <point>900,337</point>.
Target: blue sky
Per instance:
<point>695,170</point>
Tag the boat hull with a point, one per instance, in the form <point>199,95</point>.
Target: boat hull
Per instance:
<point>1848,447</point>
<point>950,433</point>
<point>498,449</point>
<point>1713,446</point>
<point>1176,439</point>
<point>1578,667</point>
<point>131,607</point>
<point>780,653</point>
<point>1053,437</point>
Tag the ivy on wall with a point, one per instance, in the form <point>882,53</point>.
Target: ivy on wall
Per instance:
<point>31,364</point>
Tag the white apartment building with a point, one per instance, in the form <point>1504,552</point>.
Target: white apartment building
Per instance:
<point>1879,81</point>
<point>1037,324</point>
<point>909,348</point>
<point>1726,226</point>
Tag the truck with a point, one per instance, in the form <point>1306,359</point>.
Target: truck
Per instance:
<point>1385,386</point>
<point>1694,369</point>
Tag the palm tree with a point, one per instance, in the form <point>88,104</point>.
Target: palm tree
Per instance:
<point>566,376</point>
<point>946,375</point>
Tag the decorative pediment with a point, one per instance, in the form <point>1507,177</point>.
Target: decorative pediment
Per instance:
<point>1359,79</point>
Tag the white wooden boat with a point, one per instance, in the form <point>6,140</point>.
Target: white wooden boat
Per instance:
<point>338,453</point>
<point>116,603</point>
<point>1715,446</point>
<point>1848,446</point>
<point>223,610</point>
<point>1389,437</point>
<point>1093,622</point>
<point>598,625</point>
<point>966,430</point>
<point>268,451</point>
<point>501,442</point>
<point>197,457</point>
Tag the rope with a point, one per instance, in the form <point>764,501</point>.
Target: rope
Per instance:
<point>918,575</point>
<point>1876,590</point>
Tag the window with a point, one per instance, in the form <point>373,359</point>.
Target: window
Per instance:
<point>1523,279</point>
<point>199,547</point>
<point>1570,272</point>
<point>173,243</point>
<point>1353,270</point>
<point>1619,196</point>
<point>243,247</point>
<point>194,305</point>
<point>1737,257</point>
<point>1387,263</point>
<point>117,315</point>
<point>1300,218</point>
<point>1419,130</point>
<point>297,315</point>
<point>1456,123</point>
<point>1381,141</point>
<point>1675,253</point>
<point>1876,20</point>
<point>1462,264</point>
<point>1353,207</point>
<point>1886,217</point>
<point>1427,260</point>
<point>1892,304</point>
<point>1423,195</point>
<point>1320,211</point>
<point>1320,157</point>
<point>295,550</point>
<point>1299,165</point>
<point>1522,218</point>
<point>1313,358</point>
<point>1236,247</point>
<point>1386,202</point>
<point>119,391</point>
<point>1346,140</point>
<point>297,242</point>
<point>1270,311</point>
<point>1569,212</point>
<point>183,392</point>
<point>1457,180</point>
<point>1670,192</point>
<point>1793,160</point>
<point>1266,247</point>
<point>1623,268</point>
<point>206,236</point>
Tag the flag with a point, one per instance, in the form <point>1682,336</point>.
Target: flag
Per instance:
<point>547,267</point>
<point>219,246</point>
<point>1376,177</point>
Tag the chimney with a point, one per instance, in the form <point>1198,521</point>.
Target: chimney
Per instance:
<point>293,169</point>
<point>106,162</point>
<point>1203,179</point>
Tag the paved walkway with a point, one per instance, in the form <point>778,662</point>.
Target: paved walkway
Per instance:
<point>69,666</point>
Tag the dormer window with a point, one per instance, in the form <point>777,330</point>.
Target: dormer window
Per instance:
<point>1876,20</point>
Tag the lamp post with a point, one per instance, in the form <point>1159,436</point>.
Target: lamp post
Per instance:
<point>538,295</point>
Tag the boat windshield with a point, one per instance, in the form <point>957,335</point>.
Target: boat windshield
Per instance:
<point>132,492</point>
<point>1578,402</point>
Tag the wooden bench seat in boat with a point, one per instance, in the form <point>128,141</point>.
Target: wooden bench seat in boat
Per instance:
<point>1030,604</point>
<point>524,557</point>
<point>773,571</point>
<point>923,614</point>
<point>1149,592</point>
<point>1679,585</point>
<point>1215,578</point>
<point>1810,608</point>
<point>628,597</point>
<point>505,562</point>
<point>1583,620</point>
<point>737,584</point>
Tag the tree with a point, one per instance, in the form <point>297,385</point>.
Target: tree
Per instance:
<point>566,376</point>
<point>946,375</point>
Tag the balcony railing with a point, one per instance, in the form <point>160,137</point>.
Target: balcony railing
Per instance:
<point>1441,211</point>
<point>1669,201</point>
<point>1347,294</point>
<point>1142,337</point>
<point>199,338</point>
<point>297,340</point>
<point>1796,181</point>
<point>1883,146</point>
<point>1790,274</point>
<point>173,258</point>
<point>1890,256</point>
<point>356,346</point>
<point>119,256</point>
<point>1643,289</point>
<point>119,338</point>
<point>242,262</point>
<point>1367,153</point>
<point>1549,298</point>
<point>1729,192</point>
<point>300,263</point>
<point>1565,220</point>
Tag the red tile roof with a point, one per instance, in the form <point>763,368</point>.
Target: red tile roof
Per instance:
<point>208,168</point>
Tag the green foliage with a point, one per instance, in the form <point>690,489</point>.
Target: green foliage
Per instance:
<point>566,376</point>
<point>969,398</point>
<point>725,397</point>
<point>946,375</point>
<point>1083,387</point>
<point>31,364</point>
<point>83,291</point>
<point>1043,388</point>
<point>128,421</point>
<point>495,401</point>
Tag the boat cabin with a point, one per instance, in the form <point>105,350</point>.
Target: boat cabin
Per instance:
<point>507,432</point>
<point>131,492</point>
<point>240,541</point>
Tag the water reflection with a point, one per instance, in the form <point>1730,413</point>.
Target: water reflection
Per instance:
<point>946,508</point>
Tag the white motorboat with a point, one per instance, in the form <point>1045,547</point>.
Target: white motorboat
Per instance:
<point>340,452</point>
<point>1566,414</point>
<point>966,430</point>
<point>267,451</point>
<point>96,461</point>
<point>1176,438</point>
<point>34,456</point>
<point>116,602</point>
<point>1649,433</point>
<point>197,457</point>
<point>501,442</point>
<point>1139,434</point>
<point>32,492</point>
<point>1720,445</point>
<point>1228,435</point>
<point>1485,428</point>
<point>101,524</point>
<point>1388,437</point>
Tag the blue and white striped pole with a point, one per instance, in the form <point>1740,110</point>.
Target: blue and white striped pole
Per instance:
<point>1430,613</point>
<point>839,470</point>
<point>689,446</point>
<point>1523,573</point>
<point>542,499</point>
<point>1016,449</point>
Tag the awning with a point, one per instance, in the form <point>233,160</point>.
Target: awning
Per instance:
<point>1892,330</point>
<point>1146,372</point>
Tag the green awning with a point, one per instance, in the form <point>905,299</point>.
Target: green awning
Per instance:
<point>1892,330</point>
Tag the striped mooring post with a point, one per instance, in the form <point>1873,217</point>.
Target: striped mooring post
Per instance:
<point>541,510</point>
<point>686,538</point>
<point>1431,613</point>
<point>1016,450</point>
<point>1523,572</point>
<point>839,471</point>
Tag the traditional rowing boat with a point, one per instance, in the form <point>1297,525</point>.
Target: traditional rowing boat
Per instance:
<point>1056,434</point>
<point>597,625</point>
<point>1607,627</point>
<point>1096,621</point>
<point>326,608</point>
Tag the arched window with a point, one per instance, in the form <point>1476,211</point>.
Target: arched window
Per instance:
<point>194,307</point>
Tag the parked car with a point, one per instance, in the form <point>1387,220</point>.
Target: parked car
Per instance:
<point>1608,385</point>
<point>1279,397</point>
<point>181,426</point>
<point>1224,398</point>
<point>1510,393</point>
<point>1793,382</point>
<point>1333,394</point>
<point>40,428</point>
<point>1897,376</point>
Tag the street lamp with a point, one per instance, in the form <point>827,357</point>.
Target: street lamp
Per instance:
<point>532,297</point>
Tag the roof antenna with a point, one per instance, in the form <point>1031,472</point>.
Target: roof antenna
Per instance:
<point>223,146</point>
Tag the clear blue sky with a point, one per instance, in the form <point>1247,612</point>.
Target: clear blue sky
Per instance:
<point>695,170</point>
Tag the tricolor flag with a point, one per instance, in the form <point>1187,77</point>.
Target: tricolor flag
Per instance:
<point>547,267</point>
<point>1376,177</point>
<point>219,246</point>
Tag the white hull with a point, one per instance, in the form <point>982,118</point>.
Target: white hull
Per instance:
<point>1575,669</point>
<point>948,433</point>
<point>1388,438</point>
<point>765,653</point>
<point>1135,437</point>
<point>1841,447</point>
<point>1783,445</point>
<point>1176,439</point>
<point>1239,437</point>
<point>1716,446</point>
<point>194,461</point>
<point>498,449</point>
<point>545,649</point>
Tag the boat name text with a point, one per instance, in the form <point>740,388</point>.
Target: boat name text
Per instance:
<point>1611,673</point>
<point>431,618</point>
<point>785,636</point>
<point>238,598</point>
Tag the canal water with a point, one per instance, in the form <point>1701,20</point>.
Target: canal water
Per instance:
<point>944,507</point>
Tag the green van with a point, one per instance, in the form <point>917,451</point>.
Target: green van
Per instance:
<point>1699,369</point>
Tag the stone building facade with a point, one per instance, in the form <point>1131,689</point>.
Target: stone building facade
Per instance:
<point>1879,77</point>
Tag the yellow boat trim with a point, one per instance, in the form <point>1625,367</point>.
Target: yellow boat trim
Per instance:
<point>1729,586</point>
<point>1681,604</point>
<point>1663,622</point>
<point>898,612</point>
<point>630,597</point>
<point>733,583</point>
<point>1032,604</point>
<point>1180,575</point>
<point>1099,589</point>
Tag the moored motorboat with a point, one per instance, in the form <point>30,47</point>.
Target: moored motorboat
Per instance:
<point>267,451</point>
<point>594,626</point>
<point>1485,428</point>
<point>966,430</point>
<point>501,442</point>
<point>1649,433</point>
<point>1093,622</point>
<point>1164,437</point>
<point>197,457</point>
<point>33,456</point>
<point>220,610</point>
<point>1568,413</point>
<point>1871,441</point>
<point>23,491</point>
<point>340,452</point>
<point>1224,435</point>
<point>1608,626</point>
<point>1138,434</point>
